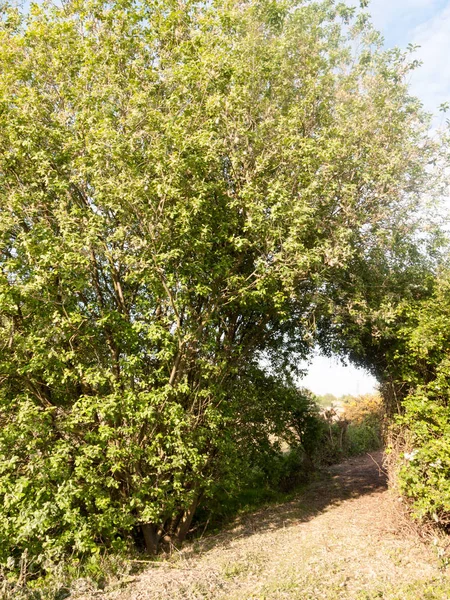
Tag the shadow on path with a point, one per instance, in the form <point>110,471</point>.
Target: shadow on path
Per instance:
<point>356,477</point>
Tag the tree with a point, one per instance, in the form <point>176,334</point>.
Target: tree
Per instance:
<point>180,183</point>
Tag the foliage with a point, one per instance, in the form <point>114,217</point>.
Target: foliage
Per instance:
<point>270,454</point>
<point>180,183</point>
<point>361,417</point>
<point>364,437</point>
<point>328,435</point>
<point>424,475</point>
<point>69,578</point>
<point>424,425</point>
<point>358,409</point>
<point>366,416</point>
<point>370,305</point>
<point>390,315</point>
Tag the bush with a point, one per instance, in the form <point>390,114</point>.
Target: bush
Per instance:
<point>272,451</point>
<point>358,429</point>
<point>366,423</point>
<point>420,446</point>
<point>363,437</point>
<point>423,471</point>
<point>283,473</point>
<point>168,199</point>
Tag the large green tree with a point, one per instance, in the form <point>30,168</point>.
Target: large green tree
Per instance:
<point>179,184</point>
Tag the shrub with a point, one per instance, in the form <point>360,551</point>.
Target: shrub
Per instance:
<point>179,183</point>
<point>366,423</point>
<point>355,430</point>
<point>423,472</point>
<point>420,446</point>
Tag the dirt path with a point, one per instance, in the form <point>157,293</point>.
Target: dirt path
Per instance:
<point>337,540</point>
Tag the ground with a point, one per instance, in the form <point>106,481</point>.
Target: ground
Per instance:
<point>340,539</point>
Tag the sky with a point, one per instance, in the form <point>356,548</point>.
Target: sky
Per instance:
<point>329,375</point>
<point>420,22</point>
<point>425,23</point>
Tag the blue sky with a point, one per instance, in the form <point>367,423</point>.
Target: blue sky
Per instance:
<point>425,23</point>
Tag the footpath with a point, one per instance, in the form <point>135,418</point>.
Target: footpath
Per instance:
<point>340,539</point>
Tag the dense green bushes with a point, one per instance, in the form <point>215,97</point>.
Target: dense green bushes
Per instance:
<point>423,469</point>
<point>255,466</point>
<point>421,437</point>
<point>357,428</point>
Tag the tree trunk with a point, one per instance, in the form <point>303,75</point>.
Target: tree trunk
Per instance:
<point>186,520</point>
<point>151,537</point>
<point>343,425</point>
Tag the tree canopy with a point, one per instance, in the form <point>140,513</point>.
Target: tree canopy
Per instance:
<point>182,186</point>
